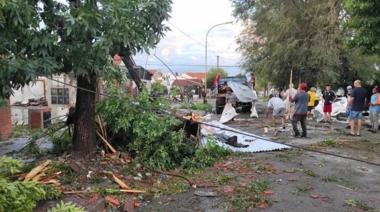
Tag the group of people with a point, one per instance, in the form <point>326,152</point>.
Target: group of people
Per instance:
<point>298,104</point>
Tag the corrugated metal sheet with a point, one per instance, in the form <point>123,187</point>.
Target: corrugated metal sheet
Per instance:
<point>255,143</point>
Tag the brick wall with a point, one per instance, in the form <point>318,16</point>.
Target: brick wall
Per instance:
<point>5,122</point>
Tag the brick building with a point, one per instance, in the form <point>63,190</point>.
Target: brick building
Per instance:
<point>5,121</point>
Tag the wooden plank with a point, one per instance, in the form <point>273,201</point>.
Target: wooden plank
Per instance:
<point>36,170</point>
<point>106,142</point>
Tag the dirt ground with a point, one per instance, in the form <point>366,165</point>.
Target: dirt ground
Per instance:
<point>291,180</point>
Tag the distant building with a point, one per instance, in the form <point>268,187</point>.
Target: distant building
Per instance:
<point>195,75</point>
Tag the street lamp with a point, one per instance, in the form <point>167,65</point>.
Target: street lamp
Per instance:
<point>216,25</point>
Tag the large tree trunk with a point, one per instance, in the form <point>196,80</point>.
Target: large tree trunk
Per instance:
<point>84,138</point>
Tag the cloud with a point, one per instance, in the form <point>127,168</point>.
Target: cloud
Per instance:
<point>185,43</point>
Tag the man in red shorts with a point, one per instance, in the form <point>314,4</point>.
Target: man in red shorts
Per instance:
<point>329,97</point>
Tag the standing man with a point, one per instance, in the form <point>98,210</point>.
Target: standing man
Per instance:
<point>329,97</point>
<point>289,95</point>
<point>277,105</point>
<point>374,110</point>
<point>300,113</point>
<point>357,102</point>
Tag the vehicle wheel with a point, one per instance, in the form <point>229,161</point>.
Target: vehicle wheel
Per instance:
<point>246,108</point>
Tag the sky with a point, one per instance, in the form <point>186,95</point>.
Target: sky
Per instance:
<point>183,47</point>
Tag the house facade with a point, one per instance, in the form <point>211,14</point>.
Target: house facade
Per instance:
<point>45,95</point>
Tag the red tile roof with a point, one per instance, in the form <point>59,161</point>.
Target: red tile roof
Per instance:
<point>187,82</point>
<point>197,75</point>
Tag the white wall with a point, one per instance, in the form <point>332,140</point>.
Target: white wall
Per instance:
<point>36,90</point>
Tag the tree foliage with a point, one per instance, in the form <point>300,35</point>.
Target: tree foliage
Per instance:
<point>365,20</point>
<point>211,74</point>
<point>304,36</point>
<point>153,137</point>
<point>45,37</point>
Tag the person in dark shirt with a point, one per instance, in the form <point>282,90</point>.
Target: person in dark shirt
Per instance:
<point>357,103</point>
<point>301,100</point>
<point>329,97</point>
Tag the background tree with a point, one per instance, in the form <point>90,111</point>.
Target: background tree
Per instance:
<point>45,37</point>
<point>304,36</point>
<point>365,20</point>
<point>211,74</point>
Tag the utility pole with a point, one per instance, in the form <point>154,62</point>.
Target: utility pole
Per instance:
<point>217,62</point>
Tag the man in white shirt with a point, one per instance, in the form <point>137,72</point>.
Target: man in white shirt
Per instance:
<point>277,105</point>
<point>289,105</point>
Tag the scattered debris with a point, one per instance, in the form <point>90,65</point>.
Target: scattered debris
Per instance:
<point>260,144</point>
<point>205,193</point>
<point>113,150</point>
<point>112,201</point>
<point>120,182</point>
<point>35,171</point>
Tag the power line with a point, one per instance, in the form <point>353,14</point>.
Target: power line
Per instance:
<point>175,75</point>
<point>217,52</point>
<point>193,65</point>
<point>244,133</point>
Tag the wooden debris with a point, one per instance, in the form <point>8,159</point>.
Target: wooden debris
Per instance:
<point>38,177</point>
<point>53,182</point>
<point>106,142</point>
<point>35,171</point>
<point>51,177</point>
<point>132,191</point>
<point>120,182</point>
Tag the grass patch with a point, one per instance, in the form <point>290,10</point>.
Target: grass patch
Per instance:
<point>290,155</point>
<point>329,143</point>
<point>359,204</point>
<point>331,178</point>
<point>252,197</point>
<point>170,186</point>
<point>303,188</point>
<point>224,179</point>
<point>258,186</point>
<point>310,173</point>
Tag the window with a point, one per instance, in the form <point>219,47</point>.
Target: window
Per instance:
<point>60,96</point>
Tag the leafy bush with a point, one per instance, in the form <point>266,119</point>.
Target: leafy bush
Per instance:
<point>20,195</point>
<point>9,166</point>
<point>158,89</point>
<point>206,156</point>
<point>62,142</point>
<point>66,207</point>
<point>175,91</point>
<point>196,106</point>
<point>201,106</point>
<point>154,137</point>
